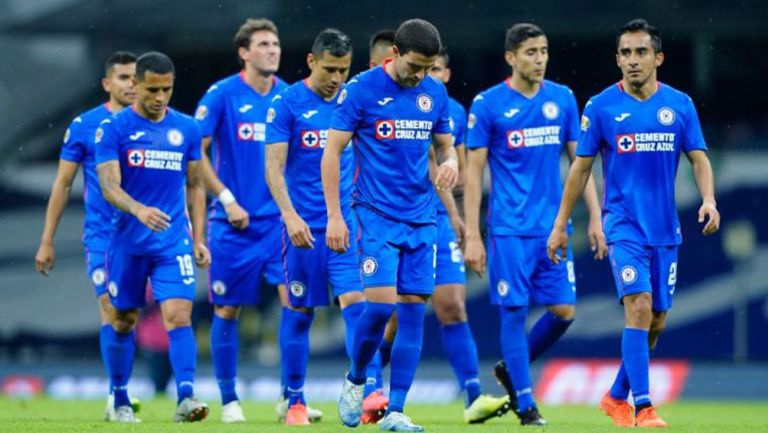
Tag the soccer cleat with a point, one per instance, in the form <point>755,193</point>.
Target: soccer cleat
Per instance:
<point>109,411</point>
<point>620,411</point>
<point>124,414</point>
<point>297,415</point>
<point>232,412</point>
<point>397,421</point>
<point>486,407</point>
<point>351,403</point>
<point>647,418</point>
<point>281,409</point>
<point>502,377</point>
<point>374,407</point>
<point>531,417</point>
<point>190,410</point>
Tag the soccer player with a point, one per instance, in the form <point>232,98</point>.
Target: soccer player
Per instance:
<point>394,113</point>
<point>380,47</point>
<point>640,127</point>
<point>297,130</point>
<point>145,156</point>
<point>521,126</point>
<point>78,149</point>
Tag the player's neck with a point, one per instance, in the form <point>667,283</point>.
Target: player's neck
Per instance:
<point>138,109</point>
<point>389,68</point>
<point>316,89</point>
<point>642,92</point>
<point>525,87</point>
<point>259,82</point>
<point>113,105</point>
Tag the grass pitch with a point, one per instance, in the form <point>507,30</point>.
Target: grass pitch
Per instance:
<point>45,415</point>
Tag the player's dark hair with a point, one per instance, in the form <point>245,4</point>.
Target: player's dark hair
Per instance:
<point>444,55</point>
<point>118,58</point>
<point>250,26</point>
<point>382,37</point>
<point>641,25</point>
<point>154,62</point>
<point>520,33</point>
<point>419,36</point>
<point>334,41</point>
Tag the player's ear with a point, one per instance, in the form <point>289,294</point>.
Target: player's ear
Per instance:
<point>106,84</point>
<point>242,52</point>
<point>311,61</point>
<point>447,75</point>
<point>659,59</point>
<point>509,56</point>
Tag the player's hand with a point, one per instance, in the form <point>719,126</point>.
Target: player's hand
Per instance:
<point>447,175</point>
<point>459,229</point>
<point>202,255</point>
<point>597,238</point>
<point>474,255</point>
<point>708,212</point>
<point>44,259</point>
<point>299,232</point>
<point>337,235</point>
<point>154,218</point>
<point>237,216</point>
<point>557,246</point>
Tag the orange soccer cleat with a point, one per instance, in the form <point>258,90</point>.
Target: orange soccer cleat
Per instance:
<point>647,418</point>
<point>620,412</point>
<point>374,407</point>
<point>297,415</point>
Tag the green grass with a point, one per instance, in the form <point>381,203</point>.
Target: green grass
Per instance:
<point>45,415</point>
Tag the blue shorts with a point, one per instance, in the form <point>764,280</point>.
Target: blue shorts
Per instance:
<point>642,269</point>
<point>396,254</point>
<point>450,261</point>
<point>239,258</point>
<point>309,272</point>
<point>172,277</point>
<point>519,270</point>
<point>95,266</point>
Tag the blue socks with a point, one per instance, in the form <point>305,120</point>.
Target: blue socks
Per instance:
<point>375,380</point>
<point>514,347</point>
<point>385,349</point>
<point>120,349</point>
<point>104,349</point>
<point>350,314</point>
<point>548,329</point>
<point>370,329</point>
<point>459,347</point>
<point>296,325</point>
<point>406,352</point>
<point>183,355</point>
<point>634,354</point>
<point>224,351</point>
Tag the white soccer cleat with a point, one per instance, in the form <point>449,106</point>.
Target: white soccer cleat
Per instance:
<point>397,421</point>
<point>124,414</point>
<point>281,409</point>
<point>190,410</point>
<point>351,403</point>
<point>232,412</point>
<point>110,415</point>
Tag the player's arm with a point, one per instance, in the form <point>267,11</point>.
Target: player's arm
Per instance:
<point>298,230</point>
<point>578,176</point>
<point>57,202</point>
<point>447,162</point>
<point>474,251</point>
<point>705,181</point>
<point>196,198</point>
<point>446,197</point>
<point>109,180</point>
<point>236,215</point>
<point>337,233</point>
<point>595,228</point>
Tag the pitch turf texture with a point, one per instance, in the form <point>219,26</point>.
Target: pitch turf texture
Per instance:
<point>45,415</point>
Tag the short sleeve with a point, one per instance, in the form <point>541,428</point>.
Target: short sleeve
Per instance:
<point>349,109</point>
<point>107,141</point>
<point>694,138</point>
<point>478,124</point>
<point>590,141</point>
<point>280,121</point>
<point>571,117</point>
<point>443,125</point>
<point>210,110</point>
<point>194,150</point>
<point>73,146</point>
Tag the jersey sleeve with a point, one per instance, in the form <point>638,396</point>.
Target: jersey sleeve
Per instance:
<point>590,141</point>
<point>443,125</point>
<point>107,142</point>
<point>194,150</point>
<point>73,144</point>
<point>349,109</point>
<point>280,121</point>
<point>210,110</point>
<point>571,117</point>
<point>694,138</point>
<point>478,124</point>
<point>460,127</point>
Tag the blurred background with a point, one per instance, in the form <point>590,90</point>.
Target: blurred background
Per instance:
<point>714,346</point>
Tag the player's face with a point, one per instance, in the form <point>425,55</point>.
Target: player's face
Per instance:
<point>119,83</point>
<point>637,58</point>
<point>329,72</point>
<point>529,60</point>
<point>263,54</point>
<point>380,53</point>
<point>440,71</point>
<point>412,67</point>
<point>153,93</point>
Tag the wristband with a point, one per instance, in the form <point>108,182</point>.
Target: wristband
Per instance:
<point>226,197</point>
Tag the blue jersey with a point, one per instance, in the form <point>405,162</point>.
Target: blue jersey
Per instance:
<point>300,117</point>
<point>640,144</point>
<point>524,137</point>
<point>393,128</point>
<point>235,117</point>
<point>78,147</point>
<point>153,160</point>
<point>459,132</point>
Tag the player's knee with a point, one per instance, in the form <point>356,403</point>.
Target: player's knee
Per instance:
<point>451,311</point>
<point>638,310</point>
<point>657,327</point>
<point>124,321</point>
<point>227,312</point>
<point>563,312</point>
<point>176,318</point>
